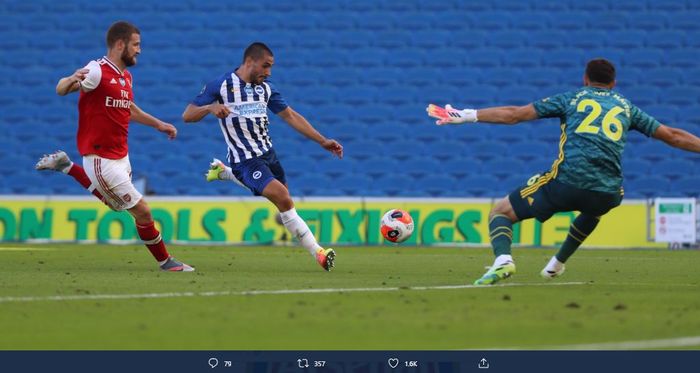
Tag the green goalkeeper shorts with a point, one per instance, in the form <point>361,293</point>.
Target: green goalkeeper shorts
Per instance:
<point>543,196</point>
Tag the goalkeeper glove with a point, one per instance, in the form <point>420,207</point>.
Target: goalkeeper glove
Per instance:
<point>450,115</point>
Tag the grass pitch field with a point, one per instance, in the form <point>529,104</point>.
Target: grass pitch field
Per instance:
<point>258,298</point>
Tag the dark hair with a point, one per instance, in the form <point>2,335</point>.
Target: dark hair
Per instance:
<point>600,70</point>
<point>120,30</point>
<point>257,51</point>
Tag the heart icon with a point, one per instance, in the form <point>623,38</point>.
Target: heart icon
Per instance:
<point>393,362</point>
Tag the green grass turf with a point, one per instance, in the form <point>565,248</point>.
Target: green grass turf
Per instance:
<point>628,295</point>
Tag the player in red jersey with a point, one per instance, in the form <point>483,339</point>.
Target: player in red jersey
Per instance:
<point>105,108</point>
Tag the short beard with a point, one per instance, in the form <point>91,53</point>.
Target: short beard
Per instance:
<point>128,61</point>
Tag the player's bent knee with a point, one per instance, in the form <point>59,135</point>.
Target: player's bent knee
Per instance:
<point>504,208</point>
<point>141,212</point>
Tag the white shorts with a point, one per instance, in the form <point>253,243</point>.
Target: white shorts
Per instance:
<point>112,178</point>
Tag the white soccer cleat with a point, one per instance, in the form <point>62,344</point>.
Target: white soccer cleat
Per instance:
<point>553,269</point>
<point>57,161</point>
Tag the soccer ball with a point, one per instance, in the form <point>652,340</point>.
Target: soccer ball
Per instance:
<point>397,225</point>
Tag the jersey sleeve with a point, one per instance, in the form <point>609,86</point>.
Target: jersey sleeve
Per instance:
<point>643,122</point>
<point>210,93</point>
<point>276,103</point>
<point>92,78</point>
<point>552,107</point>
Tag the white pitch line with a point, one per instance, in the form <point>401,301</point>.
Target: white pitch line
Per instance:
<point>260,292</point>
<point>626,345</point>
<point>13,248</point>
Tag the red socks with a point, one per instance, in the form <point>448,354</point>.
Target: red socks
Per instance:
<point>78,173</point>
<point>153,241</point>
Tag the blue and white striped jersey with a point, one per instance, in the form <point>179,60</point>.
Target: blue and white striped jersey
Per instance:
<point>246,128</point>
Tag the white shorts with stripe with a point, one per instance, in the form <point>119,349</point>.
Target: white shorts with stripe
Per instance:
<point>112,178</point>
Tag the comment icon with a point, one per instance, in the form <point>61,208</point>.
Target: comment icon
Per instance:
<point>213,362</point>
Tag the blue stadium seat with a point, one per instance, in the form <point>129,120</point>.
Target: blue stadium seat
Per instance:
<point>492,21</point>
<point>436,185</point>
<point>352,40</point>
<point>417,22</point>
<point>649,150</point>
<point>610,22</point>
<point>337,22</point>
<point>518,95</point>
<point>626,40</point>
<point>445,58</point>
<point>429,39</point>
<point>468,40</point>
<point>368,60</point>
<point>502,167</point>
<point>392,40</point>
<point>666,77</point>
<point>502,77</point>
<point>674,169</point>
<point>507,39</point>
<point>688,186</point>
<point>642,95</point>
<point>666,40</point>
<point>533,22</point>
<point>482,186</point>
<point>686,22</point>
<point>634,6</point>
<point>682,58</point>
<point>547,40</point>
<point>526,59</point>
<point>663,113</point>
<point>682,96</point>
<point>649,187</point>
<point>563,59</point>
<point>649,22</point>
<point>573,21</point>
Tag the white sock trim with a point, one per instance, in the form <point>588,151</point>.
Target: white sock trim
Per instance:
<point>502,259</point>
<point>153,241</point>
<point>554,265</point>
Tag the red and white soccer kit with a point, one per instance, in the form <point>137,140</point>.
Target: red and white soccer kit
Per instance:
<point>104,110</point>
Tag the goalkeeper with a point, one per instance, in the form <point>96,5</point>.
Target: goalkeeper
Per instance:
<point>587,174</point>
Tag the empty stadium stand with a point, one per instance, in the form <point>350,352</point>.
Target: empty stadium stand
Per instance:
<point>362,71</point>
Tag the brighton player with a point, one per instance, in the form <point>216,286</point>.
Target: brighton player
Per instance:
<point>587,175</point>
<point>240,99</point>
<point>105,107</point>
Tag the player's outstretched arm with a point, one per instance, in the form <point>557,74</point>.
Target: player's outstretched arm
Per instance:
<point>299,123</point>
<point>194,113</point>
<point>500,115</point>
<point>71,83</point>
<point>144,118</point>
<point>678,138</point>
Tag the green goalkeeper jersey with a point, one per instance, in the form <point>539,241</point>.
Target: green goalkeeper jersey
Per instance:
<point>594,125</point>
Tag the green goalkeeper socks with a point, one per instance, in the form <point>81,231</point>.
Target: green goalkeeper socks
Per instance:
<point>579,230</point>
<point>501,233</point>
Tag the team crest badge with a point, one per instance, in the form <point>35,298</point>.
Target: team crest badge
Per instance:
<point>259,89</point>
<point>126,198</point>
<point>122,82</point>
